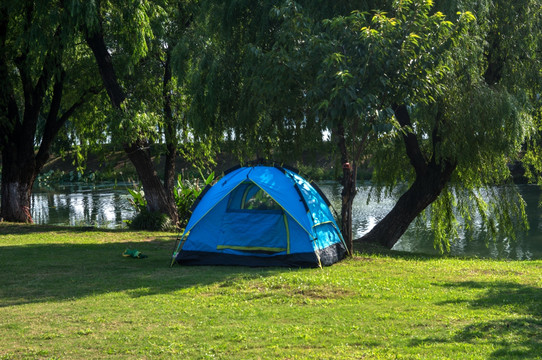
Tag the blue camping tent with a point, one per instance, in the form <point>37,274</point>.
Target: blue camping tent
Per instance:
<point>261,216</point>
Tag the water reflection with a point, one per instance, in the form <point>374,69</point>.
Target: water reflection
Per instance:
<point>107,205</point>
<point>367,211</point>
<point>104,205</point>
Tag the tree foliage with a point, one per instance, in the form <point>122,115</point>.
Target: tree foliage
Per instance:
<point>475,120</point>
<point>422,91</point>
<point>441,95</point>
<point>45,82</point>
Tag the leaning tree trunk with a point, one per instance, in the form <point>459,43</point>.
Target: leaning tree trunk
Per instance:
<point>425,189</point>
<point>154,190</point>
<point>431,177</point>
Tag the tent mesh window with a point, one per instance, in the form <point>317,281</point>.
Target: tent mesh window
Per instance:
<point>248,196</point>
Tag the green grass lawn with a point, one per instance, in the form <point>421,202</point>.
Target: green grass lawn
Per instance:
<point>67,293</point>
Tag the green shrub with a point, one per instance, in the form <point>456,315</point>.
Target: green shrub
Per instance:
<point>138,200</point>
<point>152,221</point>
<point>145,219</point>
<point>186,192</point>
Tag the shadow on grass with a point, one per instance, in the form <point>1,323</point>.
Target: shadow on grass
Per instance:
<point>24,229</point>
<point>366,248</point>
<point>519,336</point>
<point>57,272</point>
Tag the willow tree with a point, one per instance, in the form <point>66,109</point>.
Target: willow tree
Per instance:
<point>412,90</point>
<point>46,79</point>
<point>351,69</point>
<point>517,42</point>
<point>282,75</point>
<point>437,101</point>
<point>254,72</point>
<point>139,51</point>
<point>470,126</point>
<point>260,79</point>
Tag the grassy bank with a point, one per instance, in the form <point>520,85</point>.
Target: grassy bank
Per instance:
<point>68,293</point>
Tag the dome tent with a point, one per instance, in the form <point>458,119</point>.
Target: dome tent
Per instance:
<point>261,216</point>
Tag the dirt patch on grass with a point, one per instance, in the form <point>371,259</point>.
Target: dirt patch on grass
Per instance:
<point>498,272</point>
<point>307,292</point>
<point>362,258</point>
<point>324,293</point>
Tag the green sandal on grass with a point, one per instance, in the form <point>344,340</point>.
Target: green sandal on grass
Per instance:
<point>133,254</point>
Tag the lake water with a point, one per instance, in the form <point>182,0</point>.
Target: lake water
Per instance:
<point>419,238</point>
<point>107,205</point>
<point>101,205</point>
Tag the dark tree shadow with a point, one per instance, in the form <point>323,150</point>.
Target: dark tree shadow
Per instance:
<point>22,229</point>
<point>362,248</point>
<point>518,337</point>
<point>57,272</point>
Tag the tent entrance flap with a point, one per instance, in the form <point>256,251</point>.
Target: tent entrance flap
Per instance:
<point>244,230</point>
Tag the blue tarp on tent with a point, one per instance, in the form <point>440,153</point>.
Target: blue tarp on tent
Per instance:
<point>261,216</point>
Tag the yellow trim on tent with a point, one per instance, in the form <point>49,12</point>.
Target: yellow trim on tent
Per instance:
<point>250,248</point>
<point>245,193</point>
<point>287,232</point>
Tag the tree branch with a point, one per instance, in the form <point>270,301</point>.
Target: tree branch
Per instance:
<point>54,122</point>
<point>435,134</point>
<point>413,150</point>
<point>9,114</point>
<point>51,128</point>
<point>96,43</point>
<point>363,142</point>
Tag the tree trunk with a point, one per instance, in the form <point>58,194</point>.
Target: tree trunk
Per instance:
<point>19,164</point>
<point>154,190</point>
<point>422,193</point>
<point>347,198</point>
<point>18,175</point>
<point>431,178</point>
<point>138,151</point>
<point>170,135</point>
<point>349,191</point>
